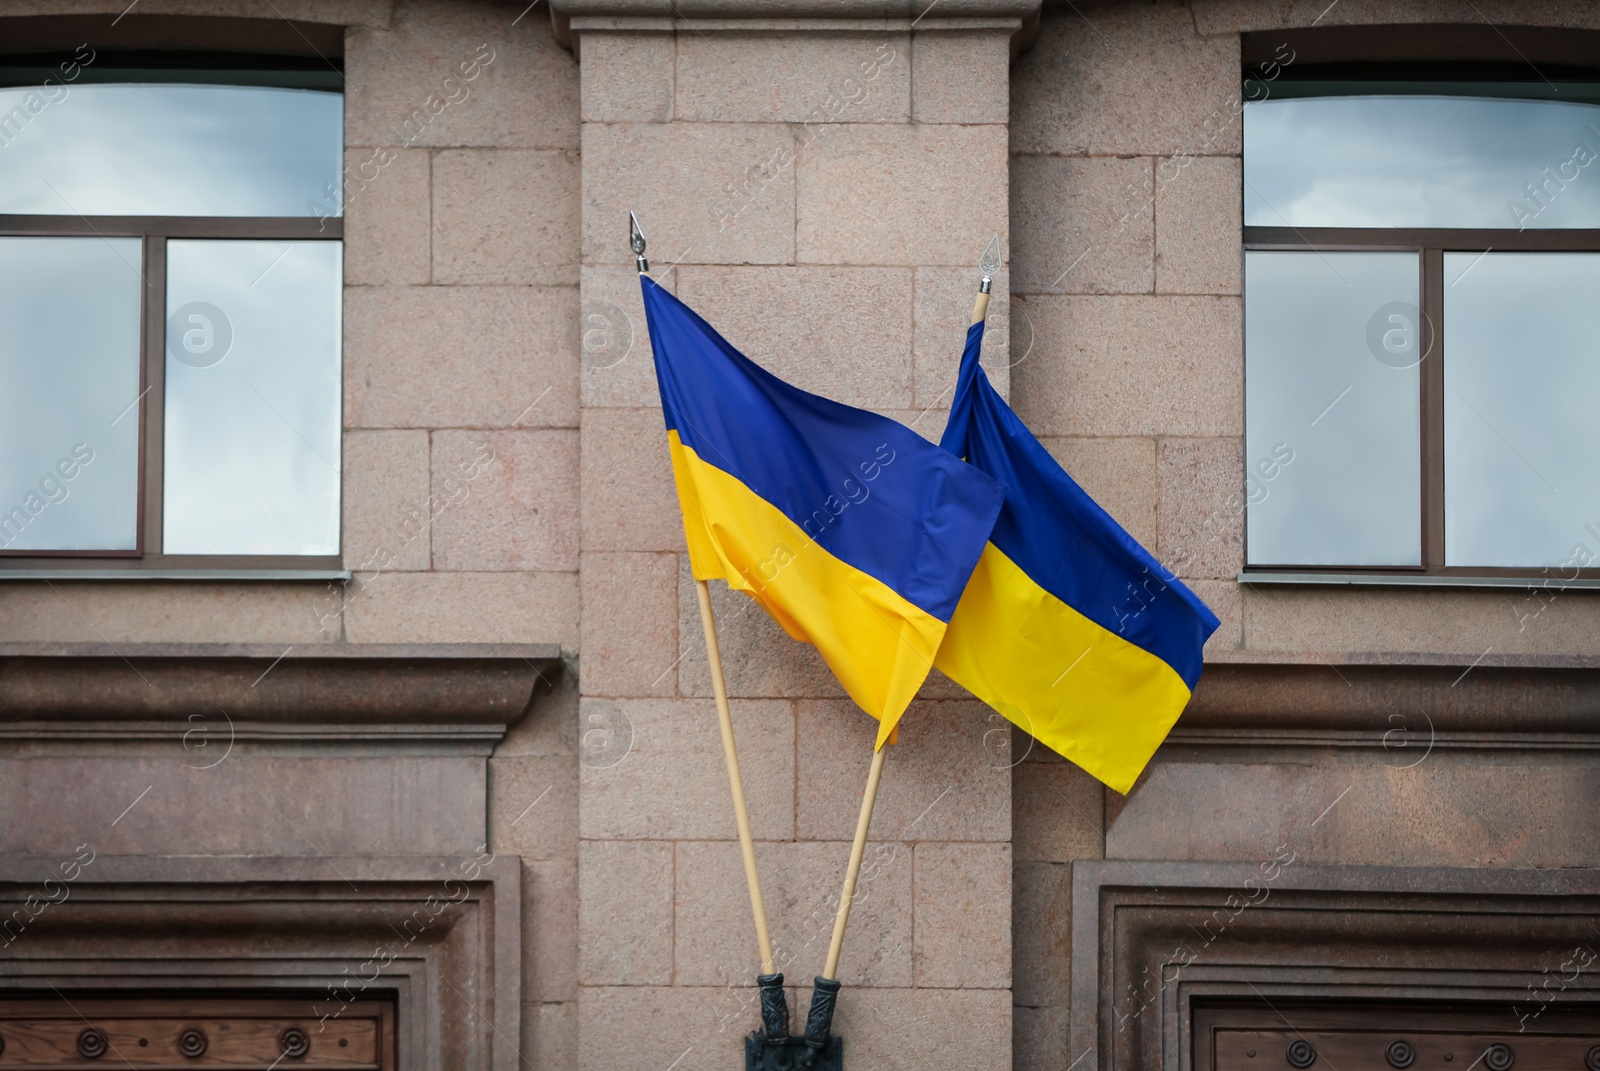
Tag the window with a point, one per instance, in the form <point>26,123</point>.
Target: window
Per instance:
<point>1422,335</point>
<point>170,294</point>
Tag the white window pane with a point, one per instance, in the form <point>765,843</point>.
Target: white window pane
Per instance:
<point>69,378</point>
<point>253,400</point>
<point>1421,162</point>
<point>1331,382</point>
<point>1522,389</point>
<point>170,150</point>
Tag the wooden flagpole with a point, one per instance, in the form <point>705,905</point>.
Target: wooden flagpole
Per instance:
<point>741,814</point>
<point>858,848</point>
<point>730,752</point>
<point>825,988</point>
<point>989,266</point>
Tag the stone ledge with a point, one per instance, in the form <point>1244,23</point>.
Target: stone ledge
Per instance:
<point>797,9</point>
<point>436,692</point>
<point>570,19</point>
<point>164,24</point>
<point>653,24</point>
<point>1349,704</point>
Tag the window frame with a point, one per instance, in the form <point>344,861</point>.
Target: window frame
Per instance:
<point>1430,244</point>
<point>154,231</point>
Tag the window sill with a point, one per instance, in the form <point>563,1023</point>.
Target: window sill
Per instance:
<point>1392,580</point>
<point>174,574</point>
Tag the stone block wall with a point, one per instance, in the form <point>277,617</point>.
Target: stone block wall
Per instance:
<point>1128,322</point>
<point>462,341</point>
<point>461,481</point>
<point>820,190</point>
<point>461,326</point>
<point>821,194</point>
<point>1127,360</point>
<point>1126,325</point>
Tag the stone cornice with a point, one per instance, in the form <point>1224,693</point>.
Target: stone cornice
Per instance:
<point>581,24</point>
<point>311,692</point>
<point>1459,704</point>
<point>808,10</point>
<point>573,18</point>
<point>374,13</point>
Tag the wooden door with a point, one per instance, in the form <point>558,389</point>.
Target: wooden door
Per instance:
<point>168,1033</point>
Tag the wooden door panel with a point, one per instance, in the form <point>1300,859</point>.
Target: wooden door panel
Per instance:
<point>246,1035</point>
<point>1333,1037</point>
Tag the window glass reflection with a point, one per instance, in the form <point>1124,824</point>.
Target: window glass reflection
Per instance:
<point>1332,436</point>
<point>1412,161</point>
<point>69,381</point>
<point>252,399</point>
<point>1522,387</point>
<point>170,150</point>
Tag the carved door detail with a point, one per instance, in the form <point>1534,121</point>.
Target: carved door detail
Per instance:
<point>245,1035</point>
<point>1395,1037</point>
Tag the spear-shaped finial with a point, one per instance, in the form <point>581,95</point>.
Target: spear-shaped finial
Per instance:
<point>637,243</point>
<point>990,264</point>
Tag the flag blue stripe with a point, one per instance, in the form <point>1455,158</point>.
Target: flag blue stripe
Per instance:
<point>869,490</point>
<point>1061,537</point>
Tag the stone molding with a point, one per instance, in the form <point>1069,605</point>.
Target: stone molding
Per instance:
<point>311,927</point>
<point>1235,16</point>
<point>876,11</point>
<point>373,13</point>
<point>571,19</point>
<point>1150,939</point>
<point>460,694</point>
<point>1465,705</point>
<point>652,24</point>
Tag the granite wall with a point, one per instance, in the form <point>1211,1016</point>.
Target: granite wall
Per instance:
<point>819,184</point>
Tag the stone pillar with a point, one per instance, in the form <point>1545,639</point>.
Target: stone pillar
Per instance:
<point>820,189</point>
<point>461,341</point>
<point>1125,204</point>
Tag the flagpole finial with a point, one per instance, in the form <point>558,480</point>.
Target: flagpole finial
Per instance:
<point>989,265</point>
<point>637,243</point>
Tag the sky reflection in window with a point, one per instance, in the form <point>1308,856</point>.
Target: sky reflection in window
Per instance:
<point>170,150</point>
<point>1413,161</point>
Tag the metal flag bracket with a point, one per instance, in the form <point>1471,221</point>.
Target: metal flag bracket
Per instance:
<point>772,1049</point>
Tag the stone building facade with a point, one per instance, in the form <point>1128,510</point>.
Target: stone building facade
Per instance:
<point>514,690</point>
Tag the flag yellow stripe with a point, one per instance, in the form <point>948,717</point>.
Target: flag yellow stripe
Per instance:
<point>881,656</point>
<point>704,560</point>
<point>1077,687</point>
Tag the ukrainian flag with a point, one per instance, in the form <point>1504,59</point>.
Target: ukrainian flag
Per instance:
<point>851,530</point>
<point>1068,627</point>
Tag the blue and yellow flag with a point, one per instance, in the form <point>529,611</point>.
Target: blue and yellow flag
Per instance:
<point>1068,627</point>
<point>851,530</point>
